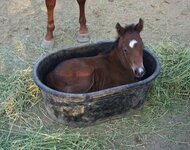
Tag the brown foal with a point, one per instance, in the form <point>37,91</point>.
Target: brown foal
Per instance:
<point>119,66</point>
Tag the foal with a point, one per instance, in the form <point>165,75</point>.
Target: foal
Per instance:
<point>120,66</point>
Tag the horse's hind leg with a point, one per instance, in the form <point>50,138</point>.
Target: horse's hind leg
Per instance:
<point>48,40</point>
<point>83,33</point>
<point>81,85</point>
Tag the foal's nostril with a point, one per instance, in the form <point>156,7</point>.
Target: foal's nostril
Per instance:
<point>139,72</point>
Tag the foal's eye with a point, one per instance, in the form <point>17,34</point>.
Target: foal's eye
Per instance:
<point>125,49</point>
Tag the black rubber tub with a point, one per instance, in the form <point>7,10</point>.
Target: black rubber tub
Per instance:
<point>90,108</point>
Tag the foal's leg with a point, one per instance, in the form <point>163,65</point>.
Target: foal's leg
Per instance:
<point>83,33</point>
<point>48,40</point>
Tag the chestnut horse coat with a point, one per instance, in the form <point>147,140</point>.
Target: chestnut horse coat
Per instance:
<point>90,74</point>
<point>119,66</point>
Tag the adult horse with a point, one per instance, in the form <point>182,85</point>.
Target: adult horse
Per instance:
<point>119,66</point>
<point>83,35</point>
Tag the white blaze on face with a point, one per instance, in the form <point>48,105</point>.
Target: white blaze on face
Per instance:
<point>132,43</point>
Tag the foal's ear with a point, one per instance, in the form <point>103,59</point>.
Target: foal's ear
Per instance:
<point>139,26</point>
<point>120,29</point>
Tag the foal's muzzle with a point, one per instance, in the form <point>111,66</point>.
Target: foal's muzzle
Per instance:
<point>139,72</point>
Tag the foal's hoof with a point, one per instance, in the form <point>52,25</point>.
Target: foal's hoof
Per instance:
<point>47,44</point>
<point>83,38</point>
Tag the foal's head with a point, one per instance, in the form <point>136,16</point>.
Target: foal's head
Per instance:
<point>130,47</point>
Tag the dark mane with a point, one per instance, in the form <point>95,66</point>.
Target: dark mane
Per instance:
<point>128,28</point>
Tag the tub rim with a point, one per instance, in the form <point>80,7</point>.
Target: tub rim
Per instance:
<point>116,89</point>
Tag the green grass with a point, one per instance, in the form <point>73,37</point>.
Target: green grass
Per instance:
<point>173,84</point>
<point>164,114</point>
<point>39,140</point>
<point>21,129</point>
<point>17,92</point>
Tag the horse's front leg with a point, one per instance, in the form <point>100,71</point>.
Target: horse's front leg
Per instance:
<point>83,33</point>
<point>49,40</point>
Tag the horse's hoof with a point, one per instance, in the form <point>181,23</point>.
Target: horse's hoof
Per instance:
<point>47,44</point>
<point>83,38</point>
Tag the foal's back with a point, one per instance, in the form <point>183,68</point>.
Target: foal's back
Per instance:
<point>88,74</point>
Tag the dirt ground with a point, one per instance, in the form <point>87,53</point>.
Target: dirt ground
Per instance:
<point>23,24</point>
<point>26,19</point>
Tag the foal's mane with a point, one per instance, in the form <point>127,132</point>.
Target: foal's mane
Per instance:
<point>127,28</point>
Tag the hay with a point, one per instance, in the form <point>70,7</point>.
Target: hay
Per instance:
<point>169,94</point>
<point>18,92</point>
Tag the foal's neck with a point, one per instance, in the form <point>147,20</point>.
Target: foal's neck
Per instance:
<point>118,58</point>
<point>114,55</point>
